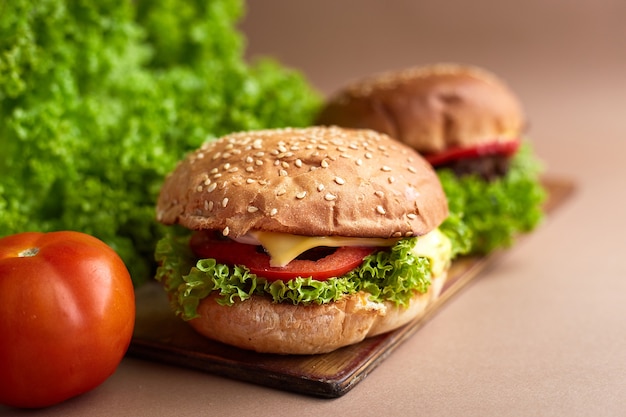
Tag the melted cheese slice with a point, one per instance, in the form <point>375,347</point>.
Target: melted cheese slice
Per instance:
<point>437,248</point>
<point>284,248</point>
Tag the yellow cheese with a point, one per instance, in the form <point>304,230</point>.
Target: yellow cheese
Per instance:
<point>437,248</point>
<point>283,247</point>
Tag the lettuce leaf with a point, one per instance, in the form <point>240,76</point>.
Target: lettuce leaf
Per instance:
<point>392,275</point>
<point>485,216</point>
<point>99,99</point>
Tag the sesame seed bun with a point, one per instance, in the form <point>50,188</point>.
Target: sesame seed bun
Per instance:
<point>431,108</point>
<point>312,182</point>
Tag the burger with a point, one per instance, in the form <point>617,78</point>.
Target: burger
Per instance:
<point>301,240</point>
<point>471,127</point>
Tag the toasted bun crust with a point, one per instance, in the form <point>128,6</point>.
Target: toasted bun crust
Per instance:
<point>261,325</point>
<point>430,108</point>
<point>315,182</point>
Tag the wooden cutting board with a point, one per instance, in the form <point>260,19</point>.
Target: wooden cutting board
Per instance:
<point>162,337</point>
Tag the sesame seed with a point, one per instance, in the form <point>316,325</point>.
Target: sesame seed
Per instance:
<point>285,164</point>
<point>324,163</point>
<point>385,168</point>
<point>359,162</point>
<point>412,169</point>
<point>226,166</point>
<point>250,181</point>
<point>199,188</point>
<point>206,205</point>
<point>391,180</point>
<point>233,169</point>
<point>379,194</point>
<point>282,173</point>
<point>250,169</point>
<point>216,155</point>
<point>211,205</point>
<point>225,202</point>
<point>380,210</point>
<point>249,159</point>
<point>280,192</point>
<point>212,187</point>
<point>252,209</point>
<point>301,195</point>
<point>320,187</point>
<point>330,197</point>
<point>226,231</point>
<point>412,216</point>
<point>340,180</point>
<point>207,181</point>
<point>258,162</point>
<point>273,212</point>
<point>397,234</point>
<point>298,163</point>
<point>213,171</point>
<point>368,155</point>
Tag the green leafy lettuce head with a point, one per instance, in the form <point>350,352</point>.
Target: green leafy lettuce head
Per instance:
<point>99,99</point>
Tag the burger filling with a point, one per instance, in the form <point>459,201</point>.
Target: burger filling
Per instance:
<point>486,215</point>
<point>192,267</point>
<point>487,160</point>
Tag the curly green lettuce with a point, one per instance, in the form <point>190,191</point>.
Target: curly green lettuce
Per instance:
<point>99,99</point>
<point>392,275</point>
<point>485,216</point>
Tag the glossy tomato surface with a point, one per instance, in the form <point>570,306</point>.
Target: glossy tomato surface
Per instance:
<point>67,312</point>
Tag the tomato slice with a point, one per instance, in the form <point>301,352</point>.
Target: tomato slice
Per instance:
<point>331,263</point>
<point>506,148</point>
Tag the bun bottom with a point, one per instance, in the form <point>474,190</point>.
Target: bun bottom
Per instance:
<point>264,326</point>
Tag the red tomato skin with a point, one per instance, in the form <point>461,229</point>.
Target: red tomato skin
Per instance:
<point>507,148</point>
<point>66,316</point>
<point>205,245</point>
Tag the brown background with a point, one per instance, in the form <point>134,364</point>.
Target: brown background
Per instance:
<point>542,332</point>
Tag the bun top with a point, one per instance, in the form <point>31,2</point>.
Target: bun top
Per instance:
<point>431,108</point>
<point>313,181</point>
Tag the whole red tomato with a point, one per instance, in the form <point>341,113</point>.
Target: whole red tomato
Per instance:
<point>67,312</point>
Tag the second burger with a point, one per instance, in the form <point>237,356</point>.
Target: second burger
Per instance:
<point>472,128</point>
